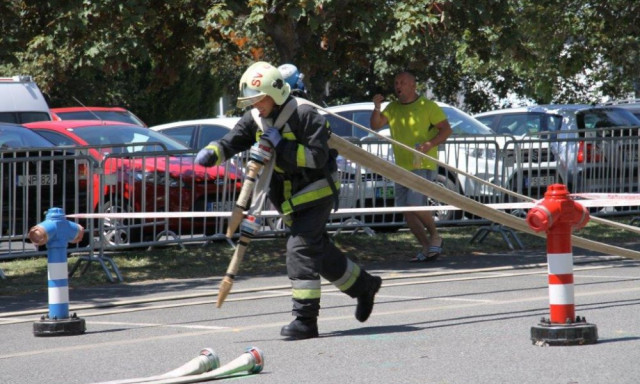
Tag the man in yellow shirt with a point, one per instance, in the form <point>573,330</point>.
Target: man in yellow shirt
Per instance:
<point>420,123</point>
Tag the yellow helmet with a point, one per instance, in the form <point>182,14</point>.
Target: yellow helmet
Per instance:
<point>259,80</point>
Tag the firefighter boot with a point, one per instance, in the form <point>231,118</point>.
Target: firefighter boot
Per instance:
<point>365,300</point>
<point>301,328</point>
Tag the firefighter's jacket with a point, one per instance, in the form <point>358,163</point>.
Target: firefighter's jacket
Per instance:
<point>305,171</point>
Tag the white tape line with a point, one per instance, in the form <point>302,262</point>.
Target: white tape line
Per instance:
<point>606,196</point>
<point>340,212</point>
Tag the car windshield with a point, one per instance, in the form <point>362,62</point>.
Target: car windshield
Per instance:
<point>19,137</point>
<point>522,123</point>
<point>125,134</point>
<point>463,124</point>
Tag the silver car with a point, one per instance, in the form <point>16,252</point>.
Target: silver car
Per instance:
<point>632,105</point>
<point>592,147</point>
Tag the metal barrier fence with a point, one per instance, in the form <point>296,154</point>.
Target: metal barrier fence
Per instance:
<point>32,181</point>
<point>141,179</point>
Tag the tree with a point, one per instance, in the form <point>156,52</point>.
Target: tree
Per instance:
<point>173,60</point>
<point>106,53</point>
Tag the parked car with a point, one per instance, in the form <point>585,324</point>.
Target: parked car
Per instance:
<point>586,155</point>
<point>97,113</point>
<point>461,123</point>
<point>632,105</point>
<point>21,101</point>
<point>368,189</point>
<point>528,149</point>
<point>196,134</point>
<point>471,148</point>
<point>140,177</point>
<point>35,176</point>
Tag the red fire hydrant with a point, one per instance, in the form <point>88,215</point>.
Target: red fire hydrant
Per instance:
<point>558,215</point>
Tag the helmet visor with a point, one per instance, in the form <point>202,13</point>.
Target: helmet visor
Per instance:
<point>249,96</point>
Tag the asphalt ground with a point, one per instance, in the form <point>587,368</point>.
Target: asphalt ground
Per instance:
<point>461,319</point>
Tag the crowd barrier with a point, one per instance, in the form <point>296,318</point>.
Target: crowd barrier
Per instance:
<point>138,179</point>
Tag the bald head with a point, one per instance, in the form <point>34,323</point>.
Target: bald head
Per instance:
<point>405,87</point>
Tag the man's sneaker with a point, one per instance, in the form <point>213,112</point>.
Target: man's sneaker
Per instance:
<point>301,328</point>
<point>365,301</point>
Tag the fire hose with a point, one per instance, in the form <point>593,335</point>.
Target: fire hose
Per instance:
<point>205,367</point>
<point>468,175</point>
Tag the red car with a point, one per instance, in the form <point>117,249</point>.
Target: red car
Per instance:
<point>97,113</point>
<point>146,171</point>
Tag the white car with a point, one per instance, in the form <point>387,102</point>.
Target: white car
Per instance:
<point>574,144</point>
<point>472,148</point>
<point>197,134</point>
<point>21,101</point>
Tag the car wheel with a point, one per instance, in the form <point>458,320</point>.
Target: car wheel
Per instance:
<point>118,231</point>
<point>445,215</point>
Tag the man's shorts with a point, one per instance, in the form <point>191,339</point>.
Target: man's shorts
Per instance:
<point>406,197</point>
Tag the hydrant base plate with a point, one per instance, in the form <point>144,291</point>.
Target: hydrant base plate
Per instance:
<point>61,327</point>
<point>564,334</point>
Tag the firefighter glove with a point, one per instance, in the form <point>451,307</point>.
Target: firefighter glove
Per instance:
<point>273,136</point>
<point>207,156</point>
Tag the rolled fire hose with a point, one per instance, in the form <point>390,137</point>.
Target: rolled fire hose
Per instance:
<point>252,361</point>
<point>206,361</point>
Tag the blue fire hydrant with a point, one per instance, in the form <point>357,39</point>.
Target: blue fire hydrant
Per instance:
<point>56,232</point>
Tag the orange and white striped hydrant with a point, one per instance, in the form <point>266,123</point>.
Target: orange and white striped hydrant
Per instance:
<point>558,215</point>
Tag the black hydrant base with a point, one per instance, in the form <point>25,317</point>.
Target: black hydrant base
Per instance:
<point>62,327</point>
<point>564,334</point>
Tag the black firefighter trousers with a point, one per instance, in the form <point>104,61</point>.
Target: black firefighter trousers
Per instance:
<point>311,254</point>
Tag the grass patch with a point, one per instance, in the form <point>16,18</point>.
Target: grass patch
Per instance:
<point>267,256</point>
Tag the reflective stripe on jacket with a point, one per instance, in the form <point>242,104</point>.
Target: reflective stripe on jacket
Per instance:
<point>303,159</point>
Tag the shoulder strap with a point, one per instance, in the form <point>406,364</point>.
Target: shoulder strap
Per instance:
<point>281,120</point>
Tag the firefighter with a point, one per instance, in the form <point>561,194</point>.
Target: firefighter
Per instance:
<point>303,187</point>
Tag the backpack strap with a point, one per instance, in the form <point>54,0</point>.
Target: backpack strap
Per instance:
<point>283,117</point>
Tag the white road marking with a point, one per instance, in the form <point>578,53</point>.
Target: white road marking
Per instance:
<point>157,325</point>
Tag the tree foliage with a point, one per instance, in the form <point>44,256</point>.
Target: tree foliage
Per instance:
<point>174,60</point>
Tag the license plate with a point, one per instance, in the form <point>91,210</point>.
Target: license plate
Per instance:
<point>27,181</point>
<point>214,206</point>
<point>385,193</point>
<point>540,181</point>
